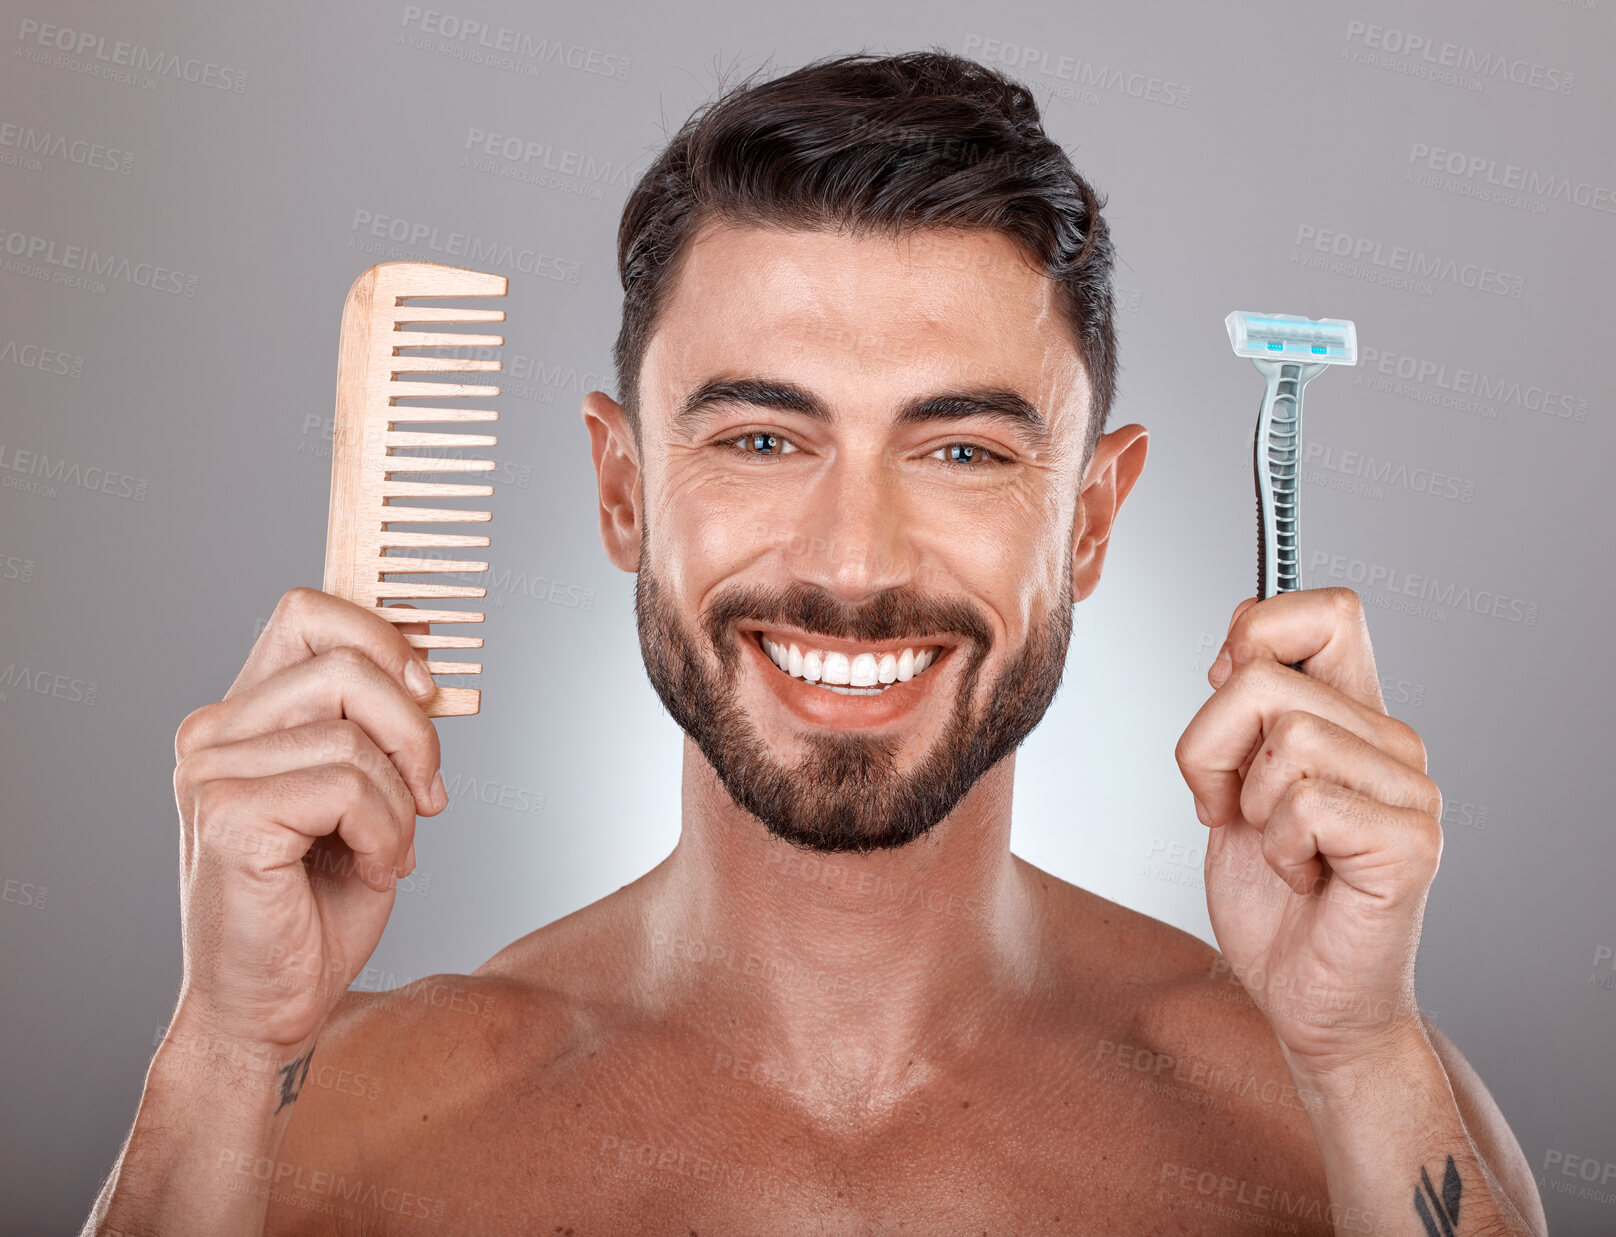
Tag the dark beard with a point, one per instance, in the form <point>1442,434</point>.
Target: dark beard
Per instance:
<point>846,794</point>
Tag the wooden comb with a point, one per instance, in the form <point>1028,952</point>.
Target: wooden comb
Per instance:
<point>374,370</point>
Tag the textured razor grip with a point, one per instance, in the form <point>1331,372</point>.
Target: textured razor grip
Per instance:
<point>1276,471</point>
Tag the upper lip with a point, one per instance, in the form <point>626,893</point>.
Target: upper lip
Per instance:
<point>806,641</point>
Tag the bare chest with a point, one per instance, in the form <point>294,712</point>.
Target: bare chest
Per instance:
<point>1103,1145</point>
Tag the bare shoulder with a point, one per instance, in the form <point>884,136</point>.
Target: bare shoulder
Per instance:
<point>1143,954</point>
<point>1170,990</point>
<point>431,1063</point>
<point>388,1070</point>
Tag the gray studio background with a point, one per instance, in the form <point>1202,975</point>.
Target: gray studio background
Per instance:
<point>1267,156</point>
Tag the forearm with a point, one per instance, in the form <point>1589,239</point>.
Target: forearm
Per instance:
<point>1387,1131</point>
<point>211,1119</point>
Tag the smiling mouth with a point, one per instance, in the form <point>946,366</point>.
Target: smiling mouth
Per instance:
<point>857,673</point>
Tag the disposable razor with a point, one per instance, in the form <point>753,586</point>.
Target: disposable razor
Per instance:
<point>1289,352</point>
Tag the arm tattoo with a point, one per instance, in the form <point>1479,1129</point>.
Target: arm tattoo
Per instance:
<point>1439,1213</point>
<point>293,1076</point>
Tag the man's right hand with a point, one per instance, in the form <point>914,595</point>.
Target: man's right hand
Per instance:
<point>297,796</point>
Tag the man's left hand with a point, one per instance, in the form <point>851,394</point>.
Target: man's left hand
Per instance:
<point>1325,830</point>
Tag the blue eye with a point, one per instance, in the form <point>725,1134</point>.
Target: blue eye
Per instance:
<point>757,442</point>
<point>968,454</point>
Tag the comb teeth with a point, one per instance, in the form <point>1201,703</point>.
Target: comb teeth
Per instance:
<point>441,339</point>
<point>374,371</point>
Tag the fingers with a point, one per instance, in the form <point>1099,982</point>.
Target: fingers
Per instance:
<point>1323,628</point>
<point>1222,738</point>
<point>332,741</point>
<point>340,682</point>
<point>308,622</point>
<point>277,818</point>
<point>1378,849</point>
<point>1304,745</point>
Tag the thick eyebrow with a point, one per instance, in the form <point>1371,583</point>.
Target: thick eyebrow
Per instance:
<point>788,397</point>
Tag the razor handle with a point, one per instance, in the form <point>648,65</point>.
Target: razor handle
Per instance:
<point>1276,465</point>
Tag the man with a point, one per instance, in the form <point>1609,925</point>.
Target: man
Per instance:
<point>859,469</point>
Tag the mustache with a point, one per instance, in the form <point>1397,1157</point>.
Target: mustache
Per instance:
<point>891,615</point>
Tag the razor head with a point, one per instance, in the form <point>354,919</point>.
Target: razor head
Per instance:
<point>1333,341</point>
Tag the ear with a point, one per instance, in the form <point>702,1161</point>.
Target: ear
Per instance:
<point>1119,458</point>
<point>617,476</point>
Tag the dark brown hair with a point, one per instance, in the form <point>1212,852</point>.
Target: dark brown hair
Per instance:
<point>872,144</point>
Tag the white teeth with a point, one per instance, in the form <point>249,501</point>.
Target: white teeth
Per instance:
<point>838,669</point>
<point>863,670</point>
<point>863,674</point>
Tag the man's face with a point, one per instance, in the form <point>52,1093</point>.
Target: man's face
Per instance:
<point>860,465</point>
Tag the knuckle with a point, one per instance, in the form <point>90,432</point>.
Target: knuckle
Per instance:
<point>1431,800</point>
<point>1252,675</point>
<point>348,662</point>
<point>427,740</point>
<point>297,601</point>
<point>342,741</point>
<point>215,801</point>
<point>1425,840</point>
<point>184,770</point>
<point>1413,745</point>
<point>195,725</point>
<point>347,654</point>
<point>1296,728</point>
<point>1304,795</point>
<point>1346,602</point>
<point>350,779</point>
<point>1181,751</point>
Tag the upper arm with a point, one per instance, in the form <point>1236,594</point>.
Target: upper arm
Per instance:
<point>1490,1132</point>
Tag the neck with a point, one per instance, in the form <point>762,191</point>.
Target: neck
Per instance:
<point>871,962</point>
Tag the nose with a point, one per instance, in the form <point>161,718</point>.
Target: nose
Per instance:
<point>853,536</point>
